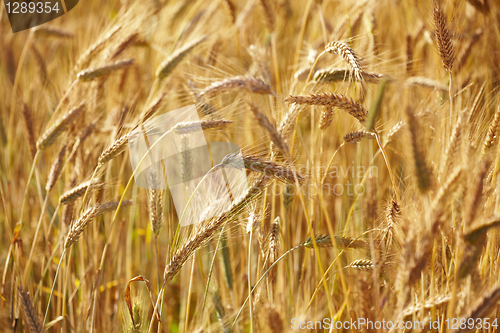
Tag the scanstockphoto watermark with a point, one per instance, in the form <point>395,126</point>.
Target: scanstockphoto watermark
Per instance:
<point>354,324</point>
<point>367,324</point>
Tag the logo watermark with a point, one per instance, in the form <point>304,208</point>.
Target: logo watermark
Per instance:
<point>171,150</point>
<point>29,14</point>
<point>367,324</point>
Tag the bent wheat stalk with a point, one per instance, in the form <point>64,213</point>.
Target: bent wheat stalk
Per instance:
<point>251,84</point>
<point>75,233</point>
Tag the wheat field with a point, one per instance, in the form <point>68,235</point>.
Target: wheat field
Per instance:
<point>368,137</point>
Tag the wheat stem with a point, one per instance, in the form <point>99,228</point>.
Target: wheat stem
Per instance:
<point>382,150</point>
<point>53,286</point>
<point>25,197</point>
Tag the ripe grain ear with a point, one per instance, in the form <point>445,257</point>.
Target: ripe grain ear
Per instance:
<point>348,54</point>
<point>443,39</point>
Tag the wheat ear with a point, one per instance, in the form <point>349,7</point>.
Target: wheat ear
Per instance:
<point>116,148</point>
<point>362,265</point>
<point>326,117</point>
<point>51,134</point>
<point>28,310</point>
<point>421,169</point>
<point>206,232</point>
<point>55,170</point>
<point>266,124</point>
<point>169,64</point>
<point>345,103</point>
<point>90,214</point>
<point>483,307</point>
<point>97,72</point>
<point>28,125</point>
<point>47,31</point>
<point>76,192</point>
<point>492,133</point>
<point>96,47</point>
<point>268,168</point>
<point>251,84</point>
<point>340,74</point>
<point>348,54</point>
<point>341,241</point>
<point>268,15</point>
<point>443,38</point>
<point>357,136</point>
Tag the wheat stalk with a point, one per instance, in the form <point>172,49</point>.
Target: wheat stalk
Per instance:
<point>392,219</point>
<point>421,169</point>
<point>29,313</point>
<point>491,136</point>
<point>345,103</point>
<point>326,117</point>
<point>114,149</point>
<point>343,242</point>
<point>169,64</point>
<point>40,61</point>
<point>268,15</point>
<point>193,126</point>
<point>362,265</point>
<point>420,81</point>
<point>339,74</point>
<point>273,241</point>
<point>28,125</point>
<point>129,40</point>
<point>51,134</point>
<point>55,169</point>
<point>96,47</point>
<point>251,84</point>
<point>206,232</point>
<point>348,54</point>
<point>268,168</point>
<point>357,136</point>
<point>287,124</point>
<point>231,8</point>
<point>90,214</point>
<point>482,308</point>
<point>443,38</point>
<point>76,192</point>
<point>409,54</point>
<point>97,72</point>
<point>266,124</point>
<point>453,148</point>
<point>462,58</point>
<point>47,31</point>
<point>475,195</point>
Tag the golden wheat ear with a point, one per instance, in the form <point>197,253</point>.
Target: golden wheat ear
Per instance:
<point>348,54</point>
<point>237,83</point>
<point>29,313</point>
<point>422,170</point>
<point>483,307</point>
<point>169,64</point>
<point>266,124</point>
<point>97,72</point>
<point>53,132</point>
<point>443,38</point>
<point>342,102</point>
